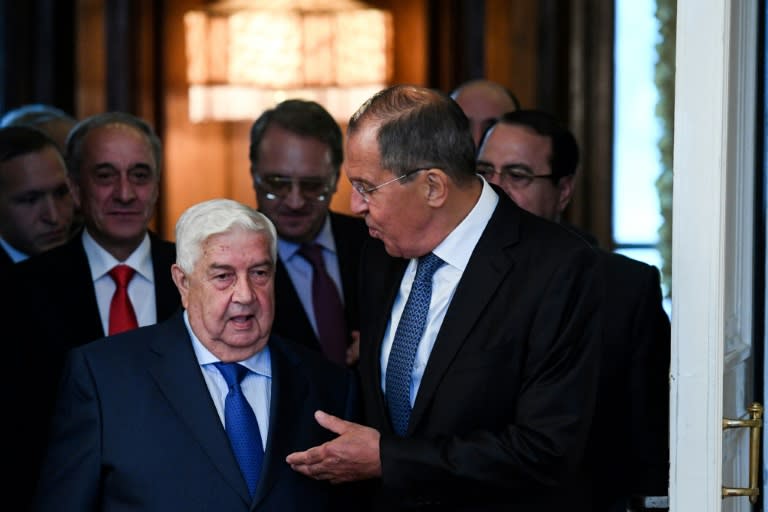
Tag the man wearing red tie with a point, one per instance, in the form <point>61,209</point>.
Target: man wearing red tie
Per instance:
<point>112,276</point>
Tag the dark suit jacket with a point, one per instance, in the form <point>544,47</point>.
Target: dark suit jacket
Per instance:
<point>5,260</point>
<point>505,404</point>
<point>628,451</point>
<point>135,429</point>
<point>291,320</point>
<point>49,306</point>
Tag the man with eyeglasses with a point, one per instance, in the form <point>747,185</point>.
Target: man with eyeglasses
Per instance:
<point>480,328</point>
<point>533,158</point>
<point>296,156</point>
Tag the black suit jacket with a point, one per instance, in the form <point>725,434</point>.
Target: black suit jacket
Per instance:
<point>49,306</point>
<point>135,428</point>
<point>628,451</point>
<point>6,262</point>
<point>502,415</point>
<point>291,320</point>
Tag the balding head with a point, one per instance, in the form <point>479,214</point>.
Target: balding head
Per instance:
<point>483,102</point>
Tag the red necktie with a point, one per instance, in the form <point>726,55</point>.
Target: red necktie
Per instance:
<point>329,311</point>
<point>121,314</point>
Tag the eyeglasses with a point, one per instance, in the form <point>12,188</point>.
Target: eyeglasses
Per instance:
<point>516,177</point>
<point>276,186</point>
<point>365,192</point>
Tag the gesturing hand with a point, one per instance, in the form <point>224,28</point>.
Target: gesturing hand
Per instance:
<point>354,455</point>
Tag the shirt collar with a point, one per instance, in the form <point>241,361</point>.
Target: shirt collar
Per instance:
<point>458,246</point>
<point>324,238</point>
<point>102,262</point>
<point>259,363</point>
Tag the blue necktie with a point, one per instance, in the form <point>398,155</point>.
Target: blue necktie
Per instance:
<point>241,425</point>
<point>407,337</point>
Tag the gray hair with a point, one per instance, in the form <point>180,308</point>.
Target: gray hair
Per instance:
<point>34,114</point>
<point>77,135</point>
<point>214,217</point>
<point>418,127</point>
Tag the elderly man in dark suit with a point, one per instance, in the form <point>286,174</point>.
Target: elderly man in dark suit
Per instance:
<point>534,158</point>
<point>296,156</point>
<point>64,297</point>
<point>485,400</point>
<point>150,417</point>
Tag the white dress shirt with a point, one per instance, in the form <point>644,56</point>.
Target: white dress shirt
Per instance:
<point>300,270</point>
<point>256,385</point>
<point>141,289</point>
<point>455,250</point>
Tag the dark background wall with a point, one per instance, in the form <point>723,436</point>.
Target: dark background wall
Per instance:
<point>86,56</point>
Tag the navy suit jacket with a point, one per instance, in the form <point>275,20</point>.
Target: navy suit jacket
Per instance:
<point>135,428</point>
<point>291,321</point>
<point>49,307</point>
<point>502,415</point>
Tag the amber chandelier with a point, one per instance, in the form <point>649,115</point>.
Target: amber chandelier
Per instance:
<point>244,57</point>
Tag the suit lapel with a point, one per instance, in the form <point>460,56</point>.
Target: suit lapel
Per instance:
<point>167,300</point>
<point>5,260</point>
<point>491,260</point>
<point>289,392</point>
<point>291,319</point>
<point>80,292</point>
<point>348,243</point>
<point>177,373</point>
<point>383,284</point>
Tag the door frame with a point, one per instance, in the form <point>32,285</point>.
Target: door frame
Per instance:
<point>712,248</point>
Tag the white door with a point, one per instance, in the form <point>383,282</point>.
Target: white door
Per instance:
<point>712,251</point>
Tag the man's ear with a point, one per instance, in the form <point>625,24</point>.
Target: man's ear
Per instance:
<point>437,187</point>
<point>253,176</point>
<point>565,186</point>
<point>181,281</point>
<point>74,190</point>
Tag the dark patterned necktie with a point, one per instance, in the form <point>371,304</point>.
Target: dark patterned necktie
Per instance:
<point>407,336</point>
<point>121,314</point>
<point>241,425</point>
<point>329,311</point>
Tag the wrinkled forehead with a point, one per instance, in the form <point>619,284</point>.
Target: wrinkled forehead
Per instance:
<point>118,140</point>
<point>362,146</point>
<point>516,136</point>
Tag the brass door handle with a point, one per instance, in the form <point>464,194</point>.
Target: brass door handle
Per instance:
<point>755,425</point>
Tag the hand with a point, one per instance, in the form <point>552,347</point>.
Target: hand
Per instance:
<point>354,455</point>
<point>353,350</point>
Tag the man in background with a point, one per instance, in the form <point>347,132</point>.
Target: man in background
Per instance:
<point>296,156</point>
<point>533,158</point>
<point>36,207</point>
<point>113,276</point>
<point>483,101</point>
<point>48,119</point>
<point>55,123</point>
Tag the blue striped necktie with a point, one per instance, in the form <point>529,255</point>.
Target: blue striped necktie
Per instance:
<point>407,337</point>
